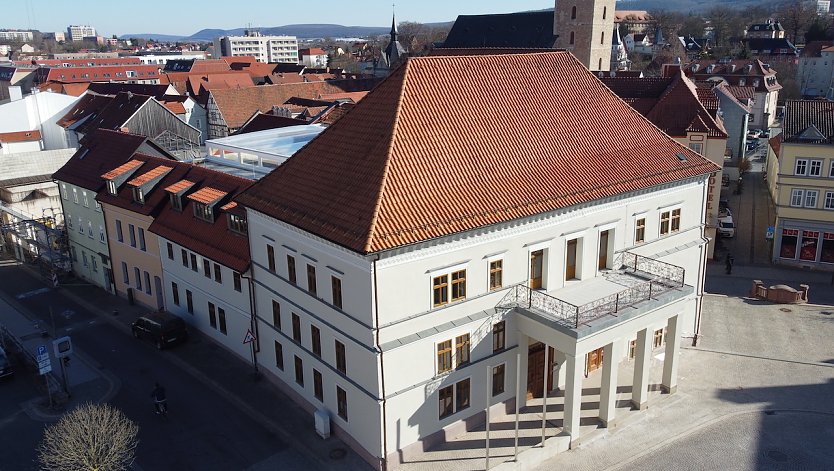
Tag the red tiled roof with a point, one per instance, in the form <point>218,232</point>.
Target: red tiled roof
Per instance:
<point>125,167</point>
<point>392,163</point>
<point>174,107</point>
<point>98,74</point>
<point>20,136</point>
<point>742,93</point>
<point>238,105</point>
<point>148,176</point>
<point>352,96</point>
<point>179,186</point>
<point>229,206</point>
<point>207,195</point>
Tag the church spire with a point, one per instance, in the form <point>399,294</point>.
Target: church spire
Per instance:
<point>393,28</point>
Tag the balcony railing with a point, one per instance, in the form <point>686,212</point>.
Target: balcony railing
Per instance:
<point>649,279</point>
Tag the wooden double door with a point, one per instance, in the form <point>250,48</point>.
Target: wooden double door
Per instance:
<point>535,370</point>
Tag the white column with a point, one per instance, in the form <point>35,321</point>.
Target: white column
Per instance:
<point>608,388</point>
<point>669,384</point>
<point>523,350</point>
<point>573,397</point>
<point>640,387</point>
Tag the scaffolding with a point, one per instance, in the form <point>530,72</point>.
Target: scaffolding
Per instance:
<point>40,241</point>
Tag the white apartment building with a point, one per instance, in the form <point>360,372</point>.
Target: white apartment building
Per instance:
<point>263,48</point>
<point>39,112</point>
<point>399,258</point>
<point>816,70</point>
<point>16,36</point>
<point>79,32</point>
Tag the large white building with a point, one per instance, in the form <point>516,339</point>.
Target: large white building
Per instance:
<point>263,48</point>
<point>16,36</point>
<point>400,257</point>
<point>79,32</point>
<point>37,112</point>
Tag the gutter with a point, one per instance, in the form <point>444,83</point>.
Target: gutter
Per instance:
<point>384,459</point>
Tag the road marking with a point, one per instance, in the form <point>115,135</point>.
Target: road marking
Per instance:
<point>34,292</point>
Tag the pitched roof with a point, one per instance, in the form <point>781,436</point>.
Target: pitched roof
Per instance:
<point>150,175</point>
<point>238,105</point>
<point>114,88</point>
<point>809,121</point>
<point>87,107</point>
<point>20,136</point>
<point>516,30</point>
<point>155,197</point>
<point>101,151</point>
<point>390,166</point>
<point>121,169</point>
<point>116,113</point>
<point>477,51</point>
<point>774,46</point>
<point>262,121</point>
<point>813,48</point>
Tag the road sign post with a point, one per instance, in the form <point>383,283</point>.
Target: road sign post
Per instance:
<point>44,367</point>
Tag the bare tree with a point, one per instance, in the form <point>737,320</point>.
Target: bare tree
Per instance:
<point>796,17</point>
<point>90,437</point>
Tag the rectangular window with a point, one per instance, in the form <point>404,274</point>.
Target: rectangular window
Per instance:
<point>276,314</point>
<point>341,403</point>
<point>64,190</point>
<point>175,292</point>
<point>458,285</point>
<point>131,229</point>
<point>827,251</point>
<point>189,302</point>
<point>184,257</point>
<point>299,371</point>
<point>498,336</point>
<point>657,341</point>
<point>137,275</point>
<point>831,169</point>
<point>496,276</point>
<point>336,288</point>
<point>498,380</point>
<point>80,226</point>
<point>291,269</point>
<point>111,187</point>
<point>147,283</point>
<point>125,273</point>
<point>787,248</point>
<point>444,356</point>
<point>676,220</point>
<point>279,356</point>
<point>176,202</point>
<point>829,200</point>
<point>236,281</point>
<point>203,211</point>
<point>811,198</point>
<point>341,359</point>
<point>664,222</point>
<point>447,397</point>
<point>218,275</point>
<point>98,206</point>
<point>75,195</point>
<point>90,229</point>
<point>206,268</point>
<point>462,350</point>
<point>86,201</point>
<point>138,195</point>
<point>237,224</point>
<point>640,231</point>
<point>101,233</point>
<point>318,390</point>
<point>311,279</point>
<point>296,328</point>
<point>632,349</point>
<point>815,168</point>
<point>801,167</point>
<point>69,221</point>
<point>440,290</point>
<point>170,251</point>
<point>84,257</point>
<point>221,318</point>
<point>212,316</point>
<point>462,395</point>
<point>808,246</point>
<point>797,196</point>
<point>119,235</point>
<point>194,263</point>
<point>315,340</point>
<point>142,246</point>
<point>270,257</point>
<point>695,147</point>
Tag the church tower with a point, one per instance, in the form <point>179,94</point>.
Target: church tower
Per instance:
<point>584,28</point>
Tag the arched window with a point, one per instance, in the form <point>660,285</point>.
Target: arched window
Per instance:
<point>573,13</point>
<point>571,37</point>
<point>604,12</point>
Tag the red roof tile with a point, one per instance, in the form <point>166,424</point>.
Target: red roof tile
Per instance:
<point>207,195</point>
<point>229,206</point>
<point>174,107</point>
<point>148,176</point>
<point>390,166</point>
<point>125,167</point>
<point>179,186</point>
<point>20,136</point>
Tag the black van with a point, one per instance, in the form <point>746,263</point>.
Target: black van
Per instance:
<point>162,328</point>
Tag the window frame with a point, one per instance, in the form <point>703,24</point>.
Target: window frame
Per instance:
<point>291,273</point>
<point>315,340</point>
<point>499,336</point>
<point>440,290</point>
<point>318,389</point>
<point>341,403</point>
<point>237,282</point>
<point>640,230</point>
<point>828,202</point>
<point>175,293</point>
<point>296,328</point>
<point>463,348</point>
<point>299,371</point>
<point>458,285</point>
<point>796,167</point>
<point>811,198</point>
<point>311,280</point>
<point>665,222</point>
<point>336,291</point>
<point>341,357</point>
<point>815,167</point>
<point>499,371</point>
<point>496,274</point>
<point>270,257</point>
<point>189,301</point>
<point>797,197</point>
<point>279,355</point>
<point>444,356</point>
<point>212,315</point>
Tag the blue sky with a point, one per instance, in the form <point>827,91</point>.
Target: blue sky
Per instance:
<point>186,17</point>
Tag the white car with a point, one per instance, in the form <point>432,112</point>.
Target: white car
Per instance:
<point>726,227</point>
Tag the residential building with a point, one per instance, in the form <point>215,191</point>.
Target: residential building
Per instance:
<point>816,69</point>
<point>80,182</point>
<point>823,7</point>
<point>57,36</point>
<point>772,49</point>
<point>16,36</point>
<point>800,175</point>
<point>20,141</point>
<point>768,30</point>
<point>313,57</point>
<point>639,43</point>
<point>263,48</point>
<point>37,112</point>
<point>635,21</point>
<point>15,76</point>
<point>79,32</point>
<point>148,74</point>
<point>619,55</point>
<point>380,271</point>
<point>736,115</point>
<point>743,73</point>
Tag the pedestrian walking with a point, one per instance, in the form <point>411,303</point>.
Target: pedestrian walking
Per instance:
<point>728,264</point>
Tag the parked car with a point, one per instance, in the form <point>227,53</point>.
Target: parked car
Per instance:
<point>724,212</point>
<point>726,227</point>
<point>765,134</point>
<point>162,328</point>
<point>5,365</point>
<point>754,134</point>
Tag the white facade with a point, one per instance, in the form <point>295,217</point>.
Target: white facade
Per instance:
<point>79,32</point>
<point>86,231</point>
<point>39,111</point>
<point>392,378</point>
<point>16,36</point>
<point>815,74</point>
<point>314,60</point>
<point>162,59</point>
<point>263,48</point>
<point>823,6</point>
<point>7,148</point>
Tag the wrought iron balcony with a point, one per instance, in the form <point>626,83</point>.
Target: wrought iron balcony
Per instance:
<point>641,277</point>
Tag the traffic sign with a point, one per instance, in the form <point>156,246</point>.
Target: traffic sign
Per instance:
<point>769,233</point>
<point>41,350</point>
<point>250,337</point>
<point>43,357</point>
<point>45,369</point>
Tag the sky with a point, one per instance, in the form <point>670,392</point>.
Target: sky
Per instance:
<point>185,17</point>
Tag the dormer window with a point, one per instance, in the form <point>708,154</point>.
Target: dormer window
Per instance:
<point>111,187</point>
<point>176,202</point>
<point>237,223</point>
<point>138,195</point>
<point>203,211</point>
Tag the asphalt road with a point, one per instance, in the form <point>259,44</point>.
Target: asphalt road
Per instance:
<point>203,431</point>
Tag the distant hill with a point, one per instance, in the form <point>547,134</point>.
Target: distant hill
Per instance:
<point>301,31</point>
<point>686,6</point>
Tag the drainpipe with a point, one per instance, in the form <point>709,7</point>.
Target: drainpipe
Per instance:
<point>699,288</point>
<point>384,461</point>
<point>253,323</point>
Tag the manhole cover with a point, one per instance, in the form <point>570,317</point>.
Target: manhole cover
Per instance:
<point>337,453</point>
<point>784,309</point>
<point>777,455</point>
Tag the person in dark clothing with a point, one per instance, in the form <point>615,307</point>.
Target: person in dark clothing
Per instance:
<point>159,399</point>
<point>729,264</point>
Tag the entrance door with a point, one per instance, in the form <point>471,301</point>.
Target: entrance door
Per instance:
<point>603,250</point>
<point>536,259</point>
<point>595,359</point>
<point>570,260</point>
<point>535,370</point>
